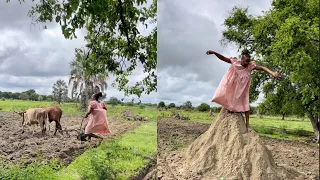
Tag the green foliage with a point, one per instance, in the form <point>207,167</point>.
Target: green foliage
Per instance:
<point>285,39</point>
<point>142,106</point>
<point>24,96</point>
<point>171,105</point>
<point>32,171</point>
<point>186,106</point>
<point>60,91</point>
<point>40,98</point>
<point>253,110</point>
<point>203,107</point>
<point>161,104</point>
<point>115,43</point>
<point>129,103</point>
<point>114,101</point>
<point>216,109</point>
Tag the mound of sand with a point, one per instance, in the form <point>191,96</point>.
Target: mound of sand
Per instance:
<point>227,150</point>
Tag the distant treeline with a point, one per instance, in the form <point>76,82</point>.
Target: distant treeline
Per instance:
<point>28,95</point>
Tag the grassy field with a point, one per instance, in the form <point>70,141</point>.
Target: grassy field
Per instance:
<point>292,128</point>
<point>19,105</point>
<point>121,157</point>
<point>72,108</point>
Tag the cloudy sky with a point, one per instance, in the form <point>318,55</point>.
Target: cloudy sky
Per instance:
<point>34,58</point>
<point>186,30</point>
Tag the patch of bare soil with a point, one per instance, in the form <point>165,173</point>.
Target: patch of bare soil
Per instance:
<point>204,154</point>
<point>25,148</point>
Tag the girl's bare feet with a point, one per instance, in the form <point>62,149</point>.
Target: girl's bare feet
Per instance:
<point>248,128</point>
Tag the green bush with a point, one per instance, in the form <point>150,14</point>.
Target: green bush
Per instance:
<point>161,104</point>
<point>142,106</point>
<point>203,107</point>
<point>171,105</point>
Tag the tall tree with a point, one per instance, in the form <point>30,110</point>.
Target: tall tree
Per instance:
<point>161,104</point>
<point>188,105</point>
<point>24,96</point>
<point>203,107</point>
<point>172,105</point>
<point>83,84</point>
<point>60,91</point>
<point>286,39</point>
<point>114,36</point>
<point>114,101</point>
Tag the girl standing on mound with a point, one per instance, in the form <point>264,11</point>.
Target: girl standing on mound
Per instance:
<point>233,90</point>
<point>97,122</point>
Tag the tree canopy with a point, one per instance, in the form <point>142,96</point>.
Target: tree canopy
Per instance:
<point>60,91</point>
<point>115,42</point>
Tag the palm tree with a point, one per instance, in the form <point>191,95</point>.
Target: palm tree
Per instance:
<point>83,85</point>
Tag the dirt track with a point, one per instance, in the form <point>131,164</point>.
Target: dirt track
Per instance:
<point>25,148</point>
<point>174,135</point>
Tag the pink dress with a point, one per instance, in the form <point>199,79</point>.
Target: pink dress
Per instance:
<point>98,122</point>
<point>233,90</point>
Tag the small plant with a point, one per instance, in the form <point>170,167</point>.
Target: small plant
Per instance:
<point>141,106</point>
<point>264,129</point>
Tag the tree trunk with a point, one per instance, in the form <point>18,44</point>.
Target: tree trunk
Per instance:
<point>315,125</point>
<point>282,116</point>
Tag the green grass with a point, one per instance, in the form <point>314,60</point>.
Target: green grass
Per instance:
<point>150,112</point>
<point>292,128</point>
<point>288,129</point>
<point>19,105</point>
<point>119,158</point>
<point>195,116</point>
<point>34,171</point>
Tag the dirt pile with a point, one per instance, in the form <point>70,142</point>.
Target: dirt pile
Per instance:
<point>227,151</point>
<point>177,116</point>
<point>129,115</point>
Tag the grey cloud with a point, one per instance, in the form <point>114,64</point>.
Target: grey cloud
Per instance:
<point>42,85</point>
<point>48,56</point>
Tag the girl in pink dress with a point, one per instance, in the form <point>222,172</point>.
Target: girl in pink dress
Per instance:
<point>97,122</point>
<point>233,90</point>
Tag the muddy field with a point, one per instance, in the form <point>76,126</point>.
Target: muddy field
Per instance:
<point>25,148</point>
<point>175,135</point>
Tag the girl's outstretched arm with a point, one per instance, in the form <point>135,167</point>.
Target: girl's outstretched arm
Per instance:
<point>219,56</point>
<point>262,68</point>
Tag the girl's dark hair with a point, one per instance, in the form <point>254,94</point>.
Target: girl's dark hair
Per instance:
<point>98,95</point>
<point>245,52</point>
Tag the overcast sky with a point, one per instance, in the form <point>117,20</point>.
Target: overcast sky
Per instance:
<point>186,30</point>
<point>34,58</point>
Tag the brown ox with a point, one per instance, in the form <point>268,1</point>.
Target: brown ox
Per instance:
<point>54,114</point>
